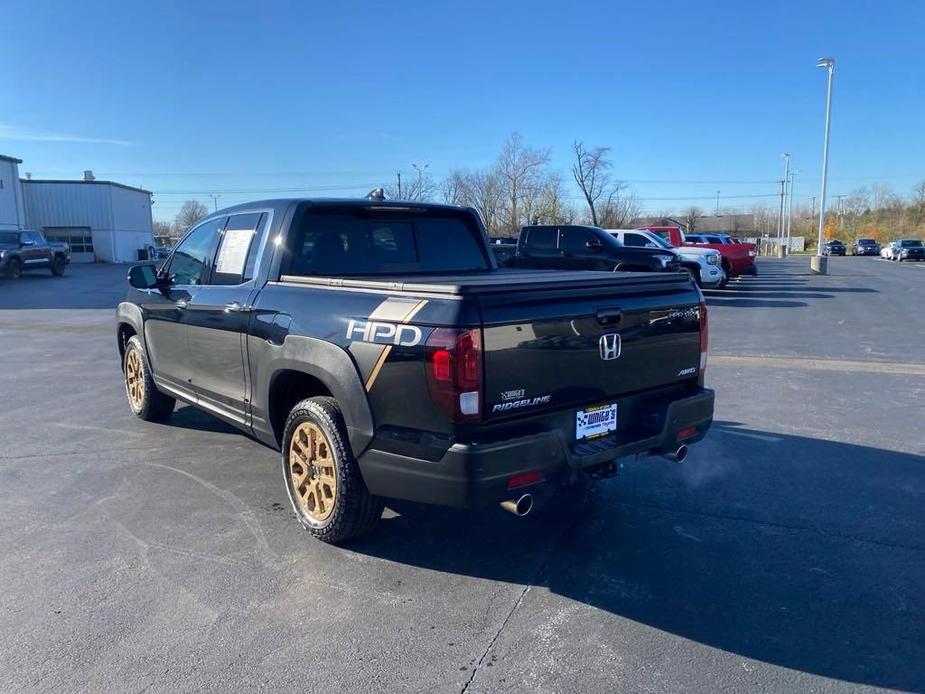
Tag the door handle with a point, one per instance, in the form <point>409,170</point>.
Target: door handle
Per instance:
<point>235,307</point>
<point>181,303</point>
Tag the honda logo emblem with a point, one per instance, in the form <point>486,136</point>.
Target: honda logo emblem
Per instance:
<point>611,346</point>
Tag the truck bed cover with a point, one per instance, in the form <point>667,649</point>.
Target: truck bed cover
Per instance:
<point>492,281</point>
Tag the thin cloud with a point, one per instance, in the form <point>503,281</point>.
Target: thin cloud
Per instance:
<point>13,132</point>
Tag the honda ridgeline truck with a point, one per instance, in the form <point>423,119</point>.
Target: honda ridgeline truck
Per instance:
<point>379,346</point>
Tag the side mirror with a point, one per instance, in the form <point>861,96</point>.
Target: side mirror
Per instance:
<point>143,276</point>
<point>651,245</point>
<point>594,245</point>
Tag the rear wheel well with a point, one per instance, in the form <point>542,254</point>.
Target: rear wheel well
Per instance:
<point>630,268</point>
<point>287,388</point>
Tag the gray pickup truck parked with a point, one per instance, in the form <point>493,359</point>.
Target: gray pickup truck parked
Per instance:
<point>381,349</point>
<point>29,250</point>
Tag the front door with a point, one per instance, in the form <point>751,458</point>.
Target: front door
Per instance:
<point>217,318</point>
<point>164,309</point>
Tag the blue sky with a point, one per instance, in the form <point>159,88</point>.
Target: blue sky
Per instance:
<point>245,98</point>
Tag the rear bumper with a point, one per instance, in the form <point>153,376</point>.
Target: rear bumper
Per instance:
<point>472,474</point>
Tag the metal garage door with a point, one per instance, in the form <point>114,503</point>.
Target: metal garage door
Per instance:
<point>80,239</point>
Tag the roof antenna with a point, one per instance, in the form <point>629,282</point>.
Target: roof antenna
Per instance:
<point>377,194</point>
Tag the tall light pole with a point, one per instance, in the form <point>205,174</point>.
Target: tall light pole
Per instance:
<point>717,203</point>
<point>215,200</point>
<point>420,169</point>
<point>783,206</point>
<point>819,263</point>
<point>793,174</point>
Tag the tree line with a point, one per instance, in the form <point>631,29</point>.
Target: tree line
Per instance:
<point>521,187</point>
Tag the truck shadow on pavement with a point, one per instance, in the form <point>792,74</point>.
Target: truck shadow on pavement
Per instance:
<point>793,551</point>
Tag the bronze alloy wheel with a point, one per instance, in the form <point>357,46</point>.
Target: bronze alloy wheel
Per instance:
<point>134,379</point>
<point>311,471</point>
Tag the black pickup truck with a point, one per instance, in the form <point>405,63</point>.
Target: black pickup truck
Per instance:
<point>379,346</point>
<point>582,247</point>
<point>29,250</point>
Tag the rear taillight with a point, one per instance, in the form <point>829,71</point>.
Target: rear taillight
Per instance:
<point>703,337</point>
<point>453,361</point>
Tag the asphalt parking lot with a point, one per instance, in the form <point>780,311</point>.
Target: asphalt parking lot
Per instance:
<point>786,554</point>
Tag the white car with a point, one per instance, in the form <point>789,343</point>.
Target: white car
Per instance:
<point>704,264</point>
<point>887,251</point>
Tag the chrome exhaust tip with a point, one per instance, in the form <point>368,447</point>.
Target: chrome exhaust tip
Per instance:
<point>679,455</point>
<point>519,507</point>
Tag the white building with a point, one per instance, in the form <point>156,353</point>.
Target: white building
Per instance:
<point>102,221</point>
<point>11,209</point>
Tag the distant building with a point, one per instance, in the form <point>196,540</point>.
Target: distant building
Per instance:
<point>103,221</point>
<point>11,210</point>
<point>733,224</point>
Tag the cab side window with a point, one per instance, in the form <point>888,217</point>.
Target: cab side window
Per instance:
<point>190,261</point>
<point>235,247</point>
<point>542,238</point>
<point>639,240</point>
<point>575,239</point>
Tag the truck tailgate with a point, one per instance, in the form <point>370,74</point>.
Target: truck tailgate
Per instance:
<point>561,346</point>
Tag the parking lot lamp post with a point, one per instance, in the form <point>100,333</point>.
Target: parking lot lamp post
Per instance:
<point>819,263</point>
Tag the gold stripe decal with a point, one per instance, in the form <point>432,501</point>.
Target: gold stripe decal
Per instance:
<point>374,374</point>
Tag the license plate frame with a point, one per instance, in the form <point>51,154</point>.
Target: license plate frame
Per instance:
<point>596,421</point>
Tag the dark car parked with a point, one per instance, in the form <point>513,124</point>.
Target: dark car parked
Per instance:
<point>29,250</point>
<point>908,249</point>
<point>865,247</point>
<point>834,247</point>
<point>578,247</point>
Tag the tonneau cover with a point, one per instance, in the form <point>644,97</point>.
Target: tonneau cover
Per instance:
<point>492,280</point>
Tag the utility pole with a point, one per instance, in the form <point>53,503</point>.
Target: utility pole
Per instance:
<point>399,185</point>
<point>215,198</point>
<point>717,203</point>
<point>793,175</point>
<point>814,208</point>
<point>781,225</point>
<point>780,221</point>
<point>820,264</point>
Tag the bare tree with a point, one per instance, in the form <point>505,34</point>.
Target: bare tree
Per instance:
<point>619,207</point>
<point>190,213</point>
<point>690,217</point>
<point>420,188</point>
<point>590,171</point>
<point>552,206</point>
<point>161,233</point>
<point>520,170</point>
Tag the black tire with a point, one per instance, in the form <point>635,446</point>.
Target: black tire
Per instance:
<point>58,263</point>
<point>152,405</point>
<point>14,269</point>
<point>899,259</point>
<point>355,511</point>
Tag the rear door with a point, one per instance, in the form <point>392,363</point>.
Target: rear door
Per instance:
<point>217,318</point>
<point>583,347</point>
<point>540,249</point>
